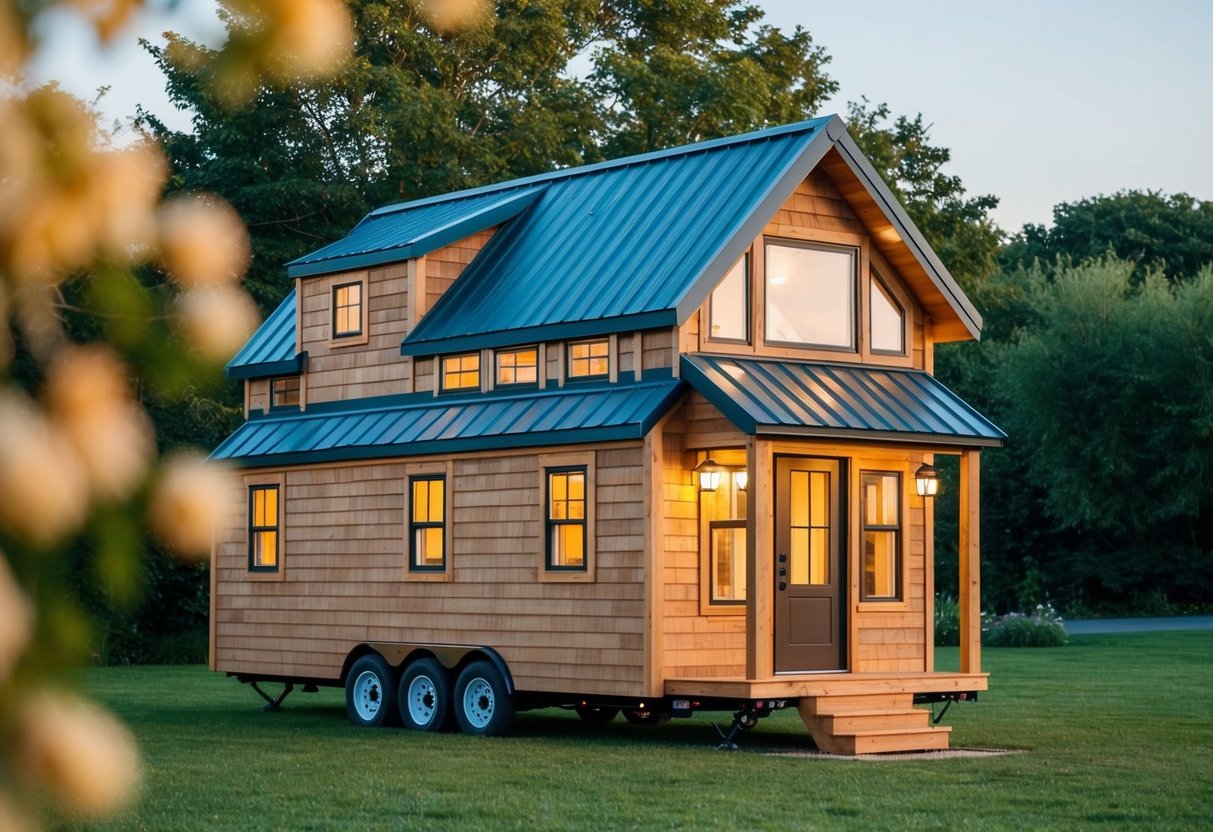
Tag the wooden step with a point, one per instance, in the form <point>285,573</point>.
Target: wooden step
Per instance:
<point>823,705</point>
<point>933,738</point>
<point>846,722</point>
<point>870,724</point>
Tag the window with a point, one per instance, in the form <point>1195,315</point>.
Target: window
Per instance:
<point>727,508</point>
<point>888,320</point>
<point>880,504</point>
<point>461,372</point>
<point>590,359</point>
<point>566,519</point>
<point>729,305</point>
<point>518,366</point>
<point>284,392</point>
<point>347,310</point>
<point>809,558</point>
<point>263,550</point>
<point>811,295</point>
<point>427,523</point>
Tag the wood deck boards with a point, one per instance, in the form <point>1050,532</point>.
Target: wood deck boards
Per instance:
<point>827,684</point>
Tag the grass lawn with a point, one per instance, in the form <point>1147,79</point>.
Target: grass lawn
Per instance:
<point>1119,733</point>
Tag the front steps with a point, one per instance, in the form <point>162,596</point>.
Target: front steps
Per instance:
<point>870,723</point>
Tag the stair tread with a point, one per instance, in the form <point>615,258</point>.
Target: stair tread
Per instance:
<point>878,732</point>
<point>875,712</point>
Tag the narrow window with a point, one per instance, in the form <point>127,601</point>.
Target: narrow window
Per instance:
<point>566,533</point>
<point>263,550</point>
<point>284,392</point>
<point>880,498</point>
<point>427,523</point>
<point>727,510</point>
<point>888,321</point>
<point>811,296</point>
<point>518,366</point>
<point>729,305</point>
<point>461,372</point>
<point>590,359</point>
<point>347,310</point>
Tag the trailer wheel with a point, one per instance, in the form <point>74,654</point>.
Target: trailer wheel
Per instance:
<point>482,706</point>
<point>424,696</point>
<point>594,715</point>
<point>370,692</point>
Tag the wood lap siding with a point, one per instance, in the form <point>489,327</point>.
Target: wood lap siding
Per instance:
<point>344,560</point>
<point>815,204</point>
<point>447,263</point>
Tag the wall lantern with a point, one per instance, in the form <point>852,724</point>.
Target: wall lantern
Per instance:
<point>926,478</point>
<point>742,479</point>
<point>709,474</point>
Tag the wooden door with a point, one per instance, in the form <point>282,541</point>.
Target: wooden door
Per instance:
<point>809,568</point>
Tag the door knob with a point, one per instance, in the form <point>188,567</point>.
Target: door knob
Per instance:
<point>783,558</point>
<point>783,585</point>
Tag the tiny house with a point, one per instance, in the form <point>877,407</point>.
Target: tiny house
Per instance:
<point>654,435</point>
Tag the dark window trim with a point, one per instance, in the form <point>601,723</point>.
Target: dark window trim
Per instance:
<point>414,525</point>
<point>550,522</point>
<point>879,281</point>
<point>498,383</point>
<point>856,253</point>
<point>746,300</point>
<point>897,529</point>
<point>568,368</point>
<point>361,302</point>
<point>442,388</point>
<point>254,529</point>
<point>712,526</point>
<point>298,392</point>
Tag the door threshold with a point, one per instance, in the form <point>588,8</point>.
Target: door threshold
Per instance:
<point>808,672</point>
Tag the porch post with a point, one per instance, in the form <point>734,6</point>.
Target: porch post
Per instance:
<point>970,565</point>
<point>760,581</point>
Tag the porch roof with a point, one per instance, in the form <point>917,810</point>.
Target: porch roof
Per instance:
<point>839,401</point>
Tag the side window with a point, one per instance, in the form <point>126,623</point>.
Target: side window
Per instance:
<point>264,528</point>
<point>347,310</point>
<point>284,392</point>
<point>518,366</point>
<point>427,523</point>
<point>461,372</point>
<point>590,359</point>
<point>729,305</point>
<point>880,507</point>
<point>566,519</point>
<point>811,297</point>
<point>888,320</point>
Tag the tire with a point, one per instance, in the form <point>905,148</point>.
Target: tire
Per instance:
<point>482,705</point>
<point>424,696</point>
<point>370,693</point>
<point>646,717</point>
<point>594,715</point>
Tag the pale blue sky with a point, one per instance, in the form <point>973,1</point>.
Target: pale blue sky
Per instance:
<point>1040,102</point>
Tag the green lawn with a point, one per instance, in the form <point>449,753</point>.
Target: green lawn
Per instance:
<point>1119,733</point>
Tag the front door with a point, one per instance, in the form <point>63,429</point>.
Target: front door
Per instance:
<point>809,577</point>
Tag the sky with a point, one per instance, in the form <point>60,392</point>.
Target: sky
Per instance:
<point>1039,101</point>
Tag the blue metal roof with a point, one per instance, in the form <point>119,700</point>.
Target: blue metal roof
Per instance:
<point>854,401</point>
<point>629,244</point>
<point>422,424</point>
<point>399,232</point>
<point>271,350</point>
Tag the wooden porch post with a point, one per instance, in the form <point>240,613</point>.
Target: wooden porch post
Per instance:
<point>654,558</point>
<point>970,565</point>
<point>760,607</point>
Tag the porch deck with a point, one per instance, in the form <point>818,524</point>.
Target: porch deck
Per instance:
<point>798,685</point>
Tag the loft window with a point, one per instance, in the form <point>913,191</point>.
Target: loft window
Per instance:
<point>566,519</point>
<point>880,505</point>
<point>887,320</point>
<point>811,298</point>
<point>347,310</point>
<point>284,392</point>
<point>461,372</point>
<point>427,523</point>
<point>729,305</point>
<point>264,525</point>
<point>590,359</point>
<point>518,366</point>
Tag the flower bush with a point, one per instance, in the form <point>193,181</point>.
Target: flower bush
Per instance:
<point>1040,628</point>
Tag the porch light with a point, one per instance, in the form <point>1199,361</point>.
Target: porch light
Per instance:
<point>926,478</point>
<point>742,479</point>
<point>709,474</point>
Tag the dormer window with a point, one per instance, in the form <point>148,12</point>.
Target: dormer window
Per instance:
<point>520,366</point>
<point>347,310</point>
<point>888,320</point>
<point>461,372</point>
<point>284,392</point>
<point>811,297</point>
<point>590,359</point>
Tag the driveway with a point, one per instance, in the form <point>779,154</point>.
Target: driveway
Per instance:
<point>1099,626</point>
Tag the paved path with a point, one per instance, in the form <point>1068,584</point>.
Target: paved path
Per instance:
<point>1098,626</point>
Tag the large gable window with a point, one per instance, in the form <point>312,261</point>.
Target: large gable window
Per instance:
<point>888,320</point>
<point>811,297</point>
<point>729,305</point>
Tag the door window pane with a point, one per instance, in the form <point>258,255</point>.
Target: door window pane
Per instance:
<point>810,296</point>
<point>809,558</point>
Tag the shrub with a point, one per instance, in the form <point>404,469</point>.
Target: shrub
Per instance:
<point>947,620</point>
<point>1041,628</point>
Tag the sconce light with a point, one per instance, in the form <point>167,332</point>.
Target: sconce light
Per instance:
<point>926,478</point>
<point>709,474</point>
<point>742,478</point>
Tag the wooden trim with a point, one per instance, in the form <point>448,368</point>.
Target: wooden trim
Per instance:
<point>212,621</point>
<point>760,561</point>
<point>613,358</point>
<point>588,460</point>
<point>277,478</point>
<point>415,281</point>
<point>654,556</point>
<point>298,315</point>
<point>928,574</point>
<point>970,566</point>
<point>447,470</point>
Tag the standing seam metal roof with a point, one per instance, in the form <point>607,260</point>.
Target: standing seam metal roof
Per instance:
<point>271,350</point>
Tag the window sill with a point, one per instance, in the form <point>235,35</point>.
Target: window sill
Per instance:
<point>280,575</point>
<point>547,577</point>
<point>444,576</point>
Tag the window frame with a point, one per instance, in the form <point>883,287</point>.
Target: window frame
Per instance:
<point>414,525</point>
<point>361,306</point>
<point>877,283</point>
<point>585,462</point>
<point>298,404</point>
<point>442,372</point>
<point>856,253</point>
<point>735,461</point>
<point>499,354</point>
<point>252,484</point>
<point>747,301</point>
<point>568,355</point>
<point>898,530</point>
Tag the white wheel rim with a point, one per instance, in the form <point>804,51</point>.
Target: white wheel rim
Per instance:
<point>479,701</point>
<point>368,695</point>
<point>422,699</point>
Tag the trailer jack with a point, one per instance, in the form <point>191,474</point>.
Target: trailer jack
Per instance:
<point>743,720</point>
<point>273,705</point>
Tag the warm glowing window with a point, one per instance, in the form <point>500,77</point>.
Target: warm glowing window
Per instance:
<point>347,310</point>
<point>729,305</point>
<point>427,523</point>
<point>566,519</point>
<point>811,295</point>
<point>461,372</point>
<point>284,392</point>
<point>888,321</point>
<point>590,359</point>
<point>880,506</point>
<point>809,558</point>
<point>518,366</point>
<point>726,509</point>
<point>264,539</point>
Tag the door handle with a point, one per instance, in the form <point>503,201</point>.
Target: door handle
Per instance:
<point>783,558</point>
